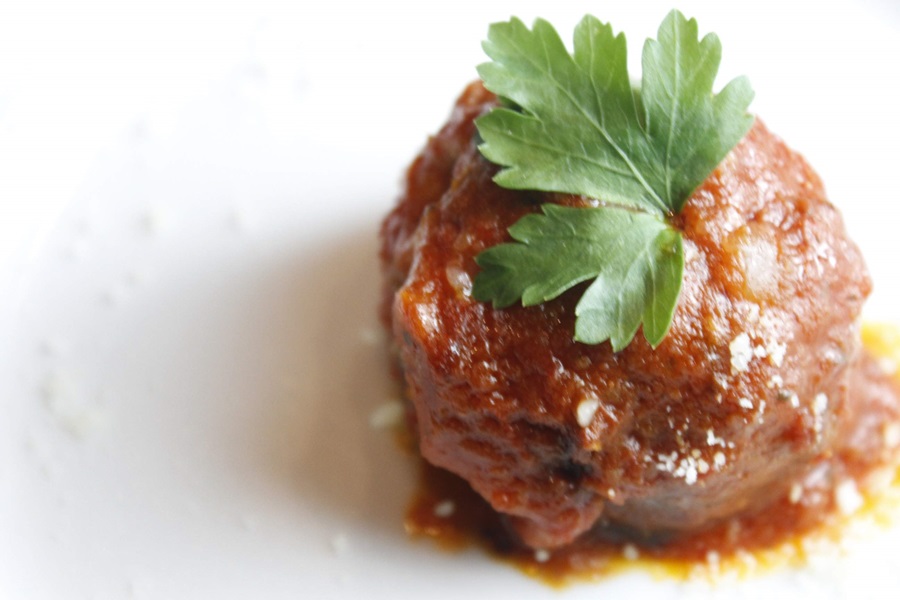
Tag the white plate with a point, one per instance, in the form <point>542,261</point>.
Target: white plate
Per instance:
<point>189,202</point>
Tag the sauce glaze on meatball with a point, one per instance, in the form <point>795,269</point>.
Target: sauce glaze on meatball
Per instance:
<point>745,399</point>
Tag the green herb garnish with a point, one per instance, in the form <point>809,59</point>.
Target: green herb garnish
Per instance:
<point>574,124</point>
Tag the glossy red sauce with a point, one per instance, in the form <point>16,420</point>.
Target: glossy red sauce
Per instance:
<point>446,510</point>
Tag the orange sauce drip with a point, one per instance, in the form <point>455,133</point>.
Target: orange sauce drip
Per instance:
<point>446,510</point>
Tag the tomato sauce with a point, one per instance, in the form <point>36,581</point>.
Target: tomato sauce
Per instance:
<point>447,510</point>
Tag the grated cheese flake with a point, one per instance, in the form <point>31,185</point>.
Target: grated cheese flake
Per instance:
<point>848,498</point>
<point>585,411</point>
<point>776,352</point>
<point>390,414</point>
<point>713,440</point>
<point>444,509</point>
<point>741,353</point>
<point>796,493</point>
<point>541,555</point>
<point>719,459</point>
<point>892,435</point>
<point>630,552</point>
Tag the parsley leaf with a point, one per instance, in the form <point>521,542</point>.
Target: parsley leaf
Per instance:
<point>630,255</point>
<point>574,124</point>
<point>583,129</point>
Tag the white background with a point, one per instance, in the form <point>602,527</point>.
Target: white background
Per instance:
<point>189,195</point>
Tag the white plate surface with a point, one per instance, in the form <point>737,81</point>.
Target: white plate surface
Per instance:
<point>189,198</point>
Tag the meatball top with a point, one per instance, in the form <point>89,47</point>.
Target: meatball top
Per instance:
<point>739,400</point>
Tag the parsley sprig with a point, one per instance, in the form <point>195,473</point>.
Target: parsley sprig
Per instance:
<point>573,123</point>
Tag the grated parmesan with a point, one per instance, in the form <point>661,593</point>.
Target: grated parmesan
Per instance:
<point>820,403</point>
<point>796,493</point>
<point>444,509</point>
<point>741,353</point>
<point>776,352</point>
<point>713,440</point>
<point>892,435</point>
<point>541,555</point>
<point>585,411</point>
<point>630,552</point>
<point>389,414</point>
<point>848,498</point>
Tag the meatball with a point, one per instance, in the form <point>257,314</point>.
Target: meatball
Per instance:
<point>743,398</point>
